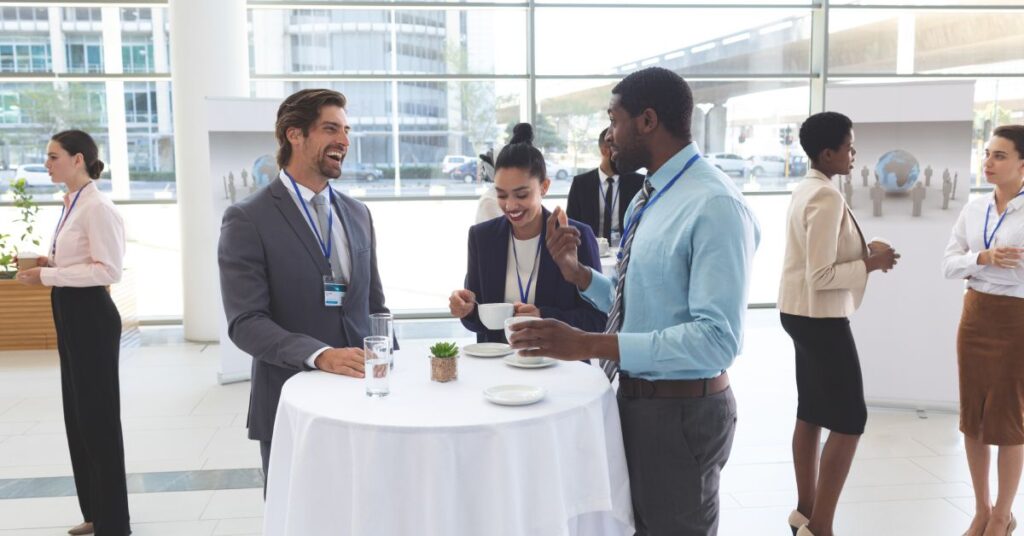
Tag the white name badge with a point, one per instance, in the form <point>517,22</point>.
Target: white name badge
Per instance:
<point>334,292</point>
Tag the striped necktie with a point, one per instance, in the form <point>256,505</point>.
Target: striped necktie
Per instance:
<point>611,368</point>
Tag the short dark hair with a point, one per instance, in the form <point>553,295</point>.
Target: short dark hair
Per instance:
<point>521,154</point>
<point>663,91</point>
<point>825,130</point>
<point>300,110</point>
<point>601,141</point>
<point>1014,133</point>
<point>78,142</point>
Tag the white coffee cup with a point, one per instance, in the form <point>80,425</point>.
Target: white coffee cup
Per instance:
<point>508,335</point>
<point>880,240</point>
<point>27,259</point>
<point>493,315</point>
<point>602,245</point>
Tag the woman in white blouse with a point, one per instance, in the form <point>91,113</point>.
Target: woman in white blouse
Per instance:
<point>985,249</point>
<point>86,256</point>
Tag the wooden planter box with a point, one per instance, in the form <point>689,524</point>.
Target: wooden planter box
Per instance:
<point>26,320</point>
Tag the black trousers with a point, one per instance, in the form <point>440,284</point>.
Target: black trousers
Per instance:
<point>89,341</point>
<point>675,451</point>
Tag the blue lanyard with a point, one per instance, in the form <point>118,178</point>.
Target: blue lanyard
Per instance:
<point>523,296</point>
<point>636,217</point>
<point>325,248</point>
<point>989,239</point>
<point>63,219</point>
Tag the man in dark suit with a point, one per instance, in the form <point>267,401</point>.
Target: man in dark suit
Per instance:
<point>298,262</point>
<point>599,188</point>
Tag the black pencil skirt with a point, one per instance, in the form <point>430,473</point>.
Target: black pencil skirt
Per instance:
<point>828,379</point>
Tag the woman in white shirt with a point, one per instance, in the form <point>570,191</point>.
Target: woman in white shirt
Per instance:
<point>507,260</point>
<point>85,257</point>
<point>985,249</point>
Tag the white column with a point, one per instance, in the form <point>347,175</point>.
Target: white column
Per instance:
<point>209,58</point>
<point>906,36</point>
<point>58,55</point>
<point>272,52</point>
<point>117,127</point>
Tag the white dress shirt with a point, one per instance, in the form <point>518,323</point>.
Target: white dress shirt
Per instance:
<point>529,262</point>
<point>967,241</point>
<point>603,189</point>
<point>339,238</point>
<point>89,249</point>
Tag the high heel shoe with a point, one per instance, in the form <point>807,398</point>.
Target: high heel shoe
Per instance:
<point>797,520</point>
<point>804,531</point>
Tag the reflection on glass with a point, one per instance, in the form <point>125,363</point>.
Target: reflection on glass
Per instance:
<point>933,42</point>
<point>695,41</point>
<point>379,41</point>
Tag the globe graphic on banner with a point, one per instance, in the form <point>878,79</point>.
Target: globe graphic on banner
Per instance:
<point>264,170</point>
<point>897,171</point>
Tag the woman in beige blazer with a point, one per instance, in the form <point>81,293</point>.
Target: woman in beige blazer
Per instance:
<point>824,274</point>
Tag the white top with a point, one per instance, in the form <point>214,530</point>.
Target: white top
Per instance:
<point>89,250</point>
<point>966,242</point>
<point>437,458</point>
<point>603,187</point>
<point>529,260</point>
<point>340,240</point>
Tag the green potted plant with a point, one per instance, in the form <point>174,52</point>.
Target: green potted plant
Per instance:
<point>27,211</point>
<point>444,362</point>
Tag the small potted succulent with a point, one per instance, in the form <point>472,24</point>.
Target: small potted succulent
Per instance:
<point>444,362</point>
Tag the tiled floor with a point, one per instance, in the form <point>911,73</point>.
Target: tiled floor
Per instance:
<point>909,477</point>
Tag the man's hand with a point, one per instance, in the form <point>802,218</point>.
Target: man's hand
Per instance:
<point>525,309</point>
<point>1004,257</point>
<point>563,242</point>
<point>553,338</point>
<point>344,361</point>
<point>461,303</point>
<point>31,277</point>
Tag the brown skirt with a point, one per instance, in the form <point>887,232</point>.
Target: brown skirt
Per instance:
<point>990,356</point>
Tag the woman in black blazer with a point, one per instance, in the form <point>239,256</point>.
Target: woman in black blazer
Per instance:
<point>507,258</point>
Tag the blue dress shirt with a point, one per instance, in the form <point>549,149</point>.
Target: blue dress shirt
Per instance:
<point>688,275</point>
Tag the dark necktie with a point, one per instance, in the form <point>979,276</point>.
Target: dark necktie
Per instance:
<point>606,226</point>
<point>615,314</point>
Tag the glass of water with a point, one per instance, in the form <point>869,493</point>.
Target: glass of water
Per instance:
<point>377,366</point>
<point>383,325</point>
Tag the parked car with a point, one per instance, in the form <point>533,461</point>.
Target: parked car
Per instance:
<point>34,175</point>
<point>465,173</point>
<point>451,162</point>
<point>556,171</point>
<point>767,165</point>
<point>731,164</point>
<point>364,172</point>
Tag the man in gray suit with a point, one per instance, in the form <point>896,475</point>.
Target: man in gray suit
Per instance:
<point>298,262</point>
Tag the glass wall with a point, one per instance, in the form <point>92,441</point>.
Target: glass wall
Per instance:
<point>431,87</point>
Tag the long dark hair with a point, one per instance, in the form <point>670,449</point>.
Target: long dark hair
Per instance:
<point>521,154</point>
<point>78,142</point>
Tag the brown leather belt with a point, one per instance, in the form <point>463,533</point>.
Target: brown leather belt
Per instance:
<point>637,388</point>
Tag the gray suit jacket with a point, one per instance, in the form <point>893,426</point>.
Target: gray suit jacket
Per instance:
<point>271,281</point>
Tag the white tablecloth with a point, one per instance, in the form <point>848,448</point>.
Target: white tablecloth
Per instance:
<point>438,459</point>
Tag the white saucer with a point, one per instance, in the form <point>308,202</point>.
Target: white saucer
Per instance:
<point>544,362</point>
<point>487,349</point>
<point>514,395</point>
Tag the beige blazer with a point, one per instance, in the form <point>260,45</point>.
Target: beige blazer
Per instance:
<point>823,273</point>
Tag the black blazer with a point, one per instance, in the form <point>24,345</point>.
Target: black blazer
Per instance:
<point>584,198</point>
<point>555,297</point>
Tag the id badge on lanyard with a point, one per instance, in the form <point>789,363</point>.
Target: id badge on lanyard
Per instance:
<point>334,291</point>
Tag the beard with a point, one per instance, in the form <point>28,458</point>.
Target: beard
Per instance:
<point>628,160</point>
<point>326,166</point>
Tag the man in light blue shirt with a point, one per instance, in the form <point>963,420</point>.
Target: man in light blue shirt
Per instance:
<point>675,307</point>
